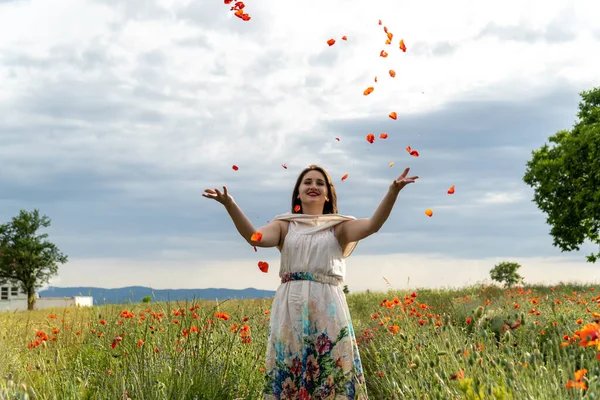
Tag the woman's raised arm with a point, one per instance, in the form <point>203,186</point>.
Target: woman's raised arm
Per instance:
<point>271,233</point>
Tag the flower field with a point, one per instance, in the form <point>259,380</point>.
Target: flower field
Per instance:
<point>480,342</point>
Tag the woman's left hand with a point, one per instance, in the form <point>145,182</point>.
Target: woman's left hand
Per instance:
<point>403,180</point>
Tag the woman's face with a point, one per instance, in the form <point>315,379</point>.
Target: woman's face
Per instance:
<point>313,188</point>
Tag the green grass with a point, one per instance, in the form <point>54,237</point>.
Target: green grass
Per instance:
<point>479,342</point>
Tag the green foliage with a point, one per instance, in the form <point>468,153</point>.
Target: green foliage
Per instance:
<point>477,342</point>
<point>566,179</point>
<point>26,259</point>
<point>346,290</point>
<point>146,299</point>
<point>506,273</point>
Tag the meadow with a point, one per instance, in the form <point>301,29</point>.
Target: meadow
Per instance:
<point>478,342</point>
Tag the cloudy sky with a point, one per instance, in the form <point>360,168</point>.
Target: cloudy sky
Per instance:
<point>116,115</point>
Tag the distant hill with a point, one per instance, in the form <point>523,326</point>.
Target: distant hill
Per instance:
<point>134,294</point>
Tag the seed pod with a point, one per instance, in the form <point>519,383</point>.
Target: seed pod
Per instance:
<point>510,366</point>
<point>416,360</point>
<point>479,312</point>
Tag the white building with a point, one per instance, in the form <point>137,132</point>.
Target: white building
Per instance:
<point>14,299</point>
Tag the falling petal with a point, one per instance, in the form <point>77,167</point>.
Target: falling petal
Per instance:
<point>263,266</point>
<point>383,136</point>
<point>451,190</point>
<point>391,164</point>
<point>375,79</point>
<point>402,45</point>
<point>370,138</point>
<point>429,212</point>
<point>383,53</point>
<point>390,35</point>
<point>296,208</point>
<point>393,115</point>
<point>368,90</point>
<point>337,138</point>
<point>392,73</point>
<point>284,166</point>
<point>344,177</point>
<point>234,167</point>
<point>256,237</point>
<point>388,42</point>
<point>385,29</point>
<point>412,152</point>
<point>255,249</point>
<point>344,37</point>
<point>379,22</point>
<point>331,42</point>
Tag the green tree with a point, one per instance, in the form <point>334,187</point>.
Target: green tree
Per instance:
<point>146,299</point>
<point>26,259</point>
<point>506,273</point>
<point>566,179</point>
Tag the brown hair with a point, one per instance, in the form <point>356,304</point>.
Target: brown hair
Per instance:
<point>330,206</point>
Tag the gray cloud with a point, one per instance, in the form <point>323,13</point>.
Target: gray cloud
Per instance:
<point>479,146</point>
<point>199,41</point>
<point>137,10</point>
<point>558,30</point>
<point>119,159</point>
<point>215,15</point>
<point>438,49</point>
<point>325,58</point>
<point>93,57</point>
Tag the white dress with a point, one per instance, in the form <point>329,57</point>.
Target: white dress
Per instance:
<point>311,350</point>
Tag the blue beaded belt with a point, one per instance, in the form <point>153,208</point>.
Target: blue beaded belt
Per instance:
<point>311,276</point>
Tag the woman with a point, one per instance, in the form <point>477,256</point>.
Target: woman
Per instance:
<point>312,351</point>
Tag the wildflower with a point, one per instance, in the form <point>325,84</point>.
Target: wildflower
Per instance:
<point>577,383</point>
<point>459,375</point>
<point>589,334</point>
<point>116,341</point>
<point>221,315</point>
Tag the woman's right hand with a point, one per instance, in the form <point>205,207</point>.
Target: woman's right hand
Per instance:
<point>223,198</point>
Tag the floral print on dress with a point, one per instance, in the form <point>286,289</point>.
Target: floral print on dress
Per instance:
<point>314,374</point>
